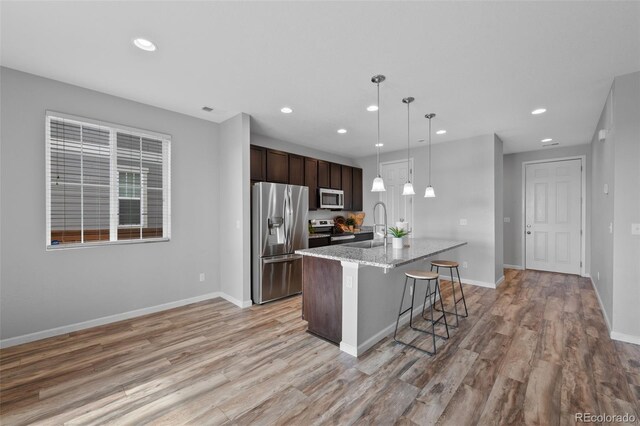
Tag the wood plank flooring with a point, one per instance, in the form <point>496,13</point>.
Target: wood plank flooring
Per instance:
<point>535,351</point>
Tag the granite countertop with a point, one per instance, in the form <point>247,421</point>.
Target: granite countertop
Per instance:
<point>321,235</point>
<point>382,257</point>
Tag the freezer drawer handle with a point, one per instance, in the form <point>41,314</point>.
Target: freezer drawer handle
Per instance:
<point>285,259</point>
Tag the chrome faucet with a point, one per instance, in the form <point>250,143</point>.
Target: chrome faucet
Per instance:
<point>375,224</point>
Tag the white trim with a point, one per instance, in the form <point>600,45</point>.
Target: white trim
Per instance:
<point>628,338</point>
<point>518,267</point>
<point>500,281</point>
<point>351,350</point>
<point>239,303</point>
<point>38,335</point>
<point>479,283</point>
<point>604,312</point>
<point>583,225</point>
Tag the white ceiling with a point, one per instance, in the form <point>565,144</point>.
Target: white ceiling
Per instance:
<point>481,66</point>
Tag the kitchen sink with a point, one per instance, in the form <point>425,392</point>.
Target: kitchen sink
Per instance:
<point>365,244</point>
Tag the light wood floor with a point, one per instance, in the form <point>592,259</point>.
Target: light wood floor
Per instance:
<point>535,351</point>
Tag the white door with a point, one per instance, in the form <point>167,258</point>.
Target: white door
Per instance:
<point>398,206</point>
<point>553,216</point>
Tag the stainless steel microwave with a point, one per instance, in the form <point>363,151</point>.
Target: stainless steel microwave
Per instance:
<point>331,199</point>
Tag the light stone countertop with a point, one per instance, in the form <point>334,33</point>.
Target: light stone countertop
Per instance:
<point>382,257</point>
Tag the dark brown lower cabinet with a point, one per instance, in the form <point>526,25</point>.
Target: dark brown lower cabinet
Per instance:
<point>322,297</point>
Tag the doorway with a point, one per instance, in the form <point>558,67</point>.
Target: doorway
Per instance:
<point>399,206</point>
<point>554,214</point>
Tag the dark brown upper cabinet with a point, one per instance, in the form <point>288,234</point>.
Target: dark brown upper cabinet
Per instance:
<point>336,176</point>
<point>311,181</point>
<point>258,163</point>
<point>347,179</point>
<point>277,166</point>
<point>356,184</point>
<point>324,174</point>
<point>296,169</point>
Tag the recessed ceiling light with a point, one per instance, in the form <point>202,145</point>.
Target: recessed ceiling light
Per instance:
<point>144,44</point>
<point>372,108</point>
<point>441,132</point>
<point>286,110</point>
<point>546,140</point>
<point>379,144</point>
<point>342,131</point>
<point>538,111</point>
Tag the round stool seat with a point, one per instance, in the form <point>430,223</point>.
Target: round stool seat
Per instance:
<point>445,263</point>
<point>422,275</point>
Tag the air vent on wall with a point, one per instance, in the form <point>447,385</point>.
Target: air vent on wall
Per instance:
<point>207,109</point>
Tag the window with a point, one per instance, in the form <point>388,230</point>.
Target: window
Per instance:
<point>105,183</point>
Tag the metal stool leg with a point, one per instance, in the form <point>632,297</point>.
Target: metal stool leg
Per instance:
<point>400,312</point>
<point>444,315</point>
<point>455,303</point>
<point>464,302</point>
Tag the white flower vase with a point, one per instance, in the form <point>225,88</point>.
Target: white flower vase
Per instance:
<point>397,243</point>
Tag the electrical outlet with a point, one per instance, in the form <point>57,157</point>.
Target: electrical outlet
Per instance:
<point>611,227</point>
<point>507,220</point>
<point>237,224</point>
<point>463,222</point>
<point>201,276</point>
<point>349,282</point>
<point>465,264</point>
<point>598,276</point>
<point>635,229</point>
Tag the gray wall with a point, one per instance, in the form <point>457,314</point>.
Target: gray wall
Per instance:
<point>602,212</point>
<point>235,227</point>
<point>626,205</point>
<point>42,290</point>
<point>498,164</point>
<point>463,177</point>
<point>513,208</point>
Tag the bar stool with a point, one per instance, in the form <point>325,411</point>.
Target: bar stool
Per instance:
<point>422,276</point>
<point>452,265</point>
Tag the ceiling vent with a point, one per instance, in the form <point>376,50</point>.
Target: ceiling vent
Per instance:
<point>207,109</point>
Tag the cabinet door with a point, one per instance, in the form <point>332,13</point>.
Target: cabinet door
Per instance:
<point>323,174</point>
<point>336,176</point>
<point>296,169</point>
<point>258,163</point>
<point>311,181</point>
<point>357,189</point>
<point>277,166</point>
<point>347,179</point>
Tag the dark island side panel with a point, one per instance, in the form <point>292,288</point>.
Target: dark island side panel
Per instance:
<point>322,297</point>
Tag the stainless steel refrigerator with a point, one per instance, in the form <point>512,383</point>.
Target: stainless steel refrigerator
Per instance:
<point>279,229</point>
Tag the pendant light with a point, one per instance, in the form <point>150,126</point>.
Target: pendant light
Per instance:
<point>408,187</point>
<point>378,183</point>
<point>429,192</point>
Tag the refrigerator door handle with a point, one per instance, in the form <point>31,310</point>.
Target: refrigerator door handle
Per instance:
<point>288,219</point>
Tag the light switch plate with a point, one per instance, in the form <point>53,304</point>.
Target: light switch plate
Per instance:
<point>611,227</point>
<point>635,229</point>
<point>606,188</point>
<point>463,222</point>
<point>507,220</point>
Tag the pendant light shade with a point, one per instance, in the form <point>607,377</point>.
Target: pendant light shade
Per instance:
<point>429,192</point>
<point>378,183</point>
<point>408,186</point>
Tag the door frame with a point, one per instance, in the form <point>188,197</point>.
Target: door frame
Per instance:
<point>583,207</point>
<point>412,174</point>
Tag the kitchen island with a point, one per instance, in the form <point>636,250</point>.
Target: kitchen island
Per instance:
<point>351,292</point>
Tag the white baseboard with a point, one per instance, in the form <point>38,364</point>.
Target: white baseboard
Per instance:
<point>351,350</point>
<point>604,313</point>
<point>39,335</point>
<point>480,283</point>
<point>519,267</point>
<point>628,338</point>
<point>239,303</point>
<point>500,281</point>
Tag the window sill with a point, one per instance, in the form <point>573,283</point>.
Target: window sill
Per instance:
<point>57,247</point>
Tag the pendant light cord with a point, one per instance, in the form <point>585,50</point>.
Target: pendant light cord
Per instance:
<point>408,140</point>
<point>378,144</point>
<point>429,151</point>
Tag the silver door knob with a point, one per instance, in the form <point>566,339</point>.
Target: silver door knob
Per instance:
<point>528,232</point>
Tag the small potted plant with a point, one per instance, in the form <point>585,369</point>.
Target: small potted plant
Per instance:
<point>398,236</point>
<point>351,223</point>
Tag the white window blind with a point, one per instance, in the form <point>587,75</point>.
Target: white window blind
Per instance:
<point>105,183</point>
